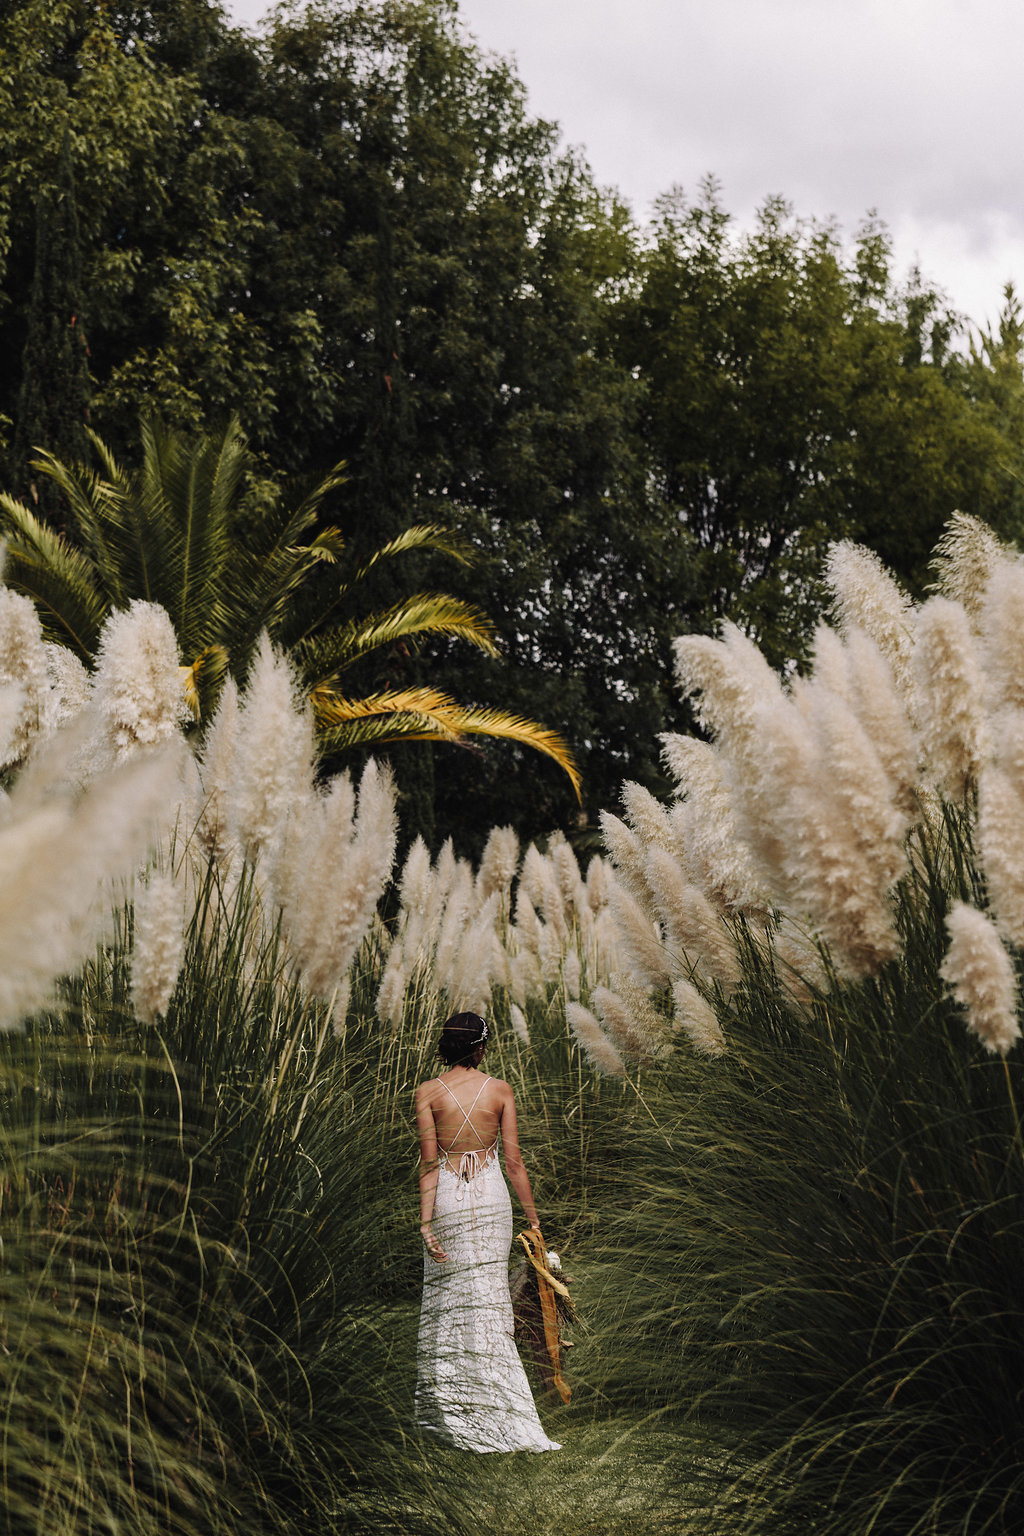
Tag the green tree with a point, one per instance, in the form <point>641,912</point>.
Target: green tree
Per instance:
<point>793,396</point>
<point>53,400</point>
<point>995,381</point>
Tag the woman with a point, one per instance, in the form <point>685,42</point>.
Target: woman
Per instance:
<point>471,1389</point>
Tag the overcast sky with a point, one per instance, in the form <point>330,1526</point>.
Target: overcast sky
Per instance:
<point>909,107</point>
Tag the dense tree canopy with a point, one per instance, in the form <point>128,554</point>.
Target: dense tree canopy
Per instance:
<point>350,231</point>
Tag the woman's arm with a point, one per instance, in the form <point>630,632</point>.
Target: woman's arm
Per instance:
<point>514,1165</point>
<point>428,1170</point>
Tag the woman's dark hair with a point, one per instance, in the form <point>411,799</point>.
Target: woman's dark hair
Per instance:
<point>461,1037</point>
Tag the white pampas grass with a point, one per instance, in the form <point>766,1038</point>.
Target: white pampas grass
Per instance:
<point>697,1019</point>
<point>330,898</point>
<point>598,883</point>
<point>1001,846</point>
<point>627,854</point>
<point>476,962</point>
<point>980,976</point>
<point>566,871</point>
<point>882,711</point>
<point>845,839</point>
<point>534,877</point>
<point>1006,736</point>
<point>136,685</point>
<point>948,689</point>
<point>645,816</point>
<point>61,849</point>
<point>457,909</point>
<point>524,977</point>
<point>617,1020</point>
<point>727,679</point>
<point>159,946</point>
<point>640,939</point>
<point>593,1042</point>
<point>692,922</point>
<point>705,832</point>
<point>519,1025</point>
<point>865,596</point>
<point>273,759</point>
<point>23,662</point>
<point>572,974</point>
<point>69,683</point>
<point>964,560</point>
<point>391,992</point>
<point>549,954</point>
<point>499,863</point>
<point>218,773</point>
<point>1002,636</point>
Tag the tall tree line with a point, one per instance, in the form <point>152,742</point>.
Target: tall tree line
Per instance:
<point>351,230</point>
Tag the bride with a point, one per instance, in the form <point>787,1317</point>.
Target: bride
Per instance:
<point>471,1389</point>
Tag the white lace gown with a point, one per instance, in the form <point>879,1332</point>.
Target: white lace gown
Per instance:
<point>471,1388</point>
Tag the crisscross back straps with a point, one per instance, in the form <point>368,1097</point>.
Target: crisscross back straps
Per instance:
<point>472,1162</point>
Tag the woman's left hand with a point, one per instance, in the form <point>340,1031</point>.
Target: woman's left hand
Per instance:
<point>434,1248</point>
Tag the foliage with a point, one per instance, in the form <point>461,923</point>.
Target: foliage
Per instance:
<point>795,395</point>
<point>844,1314</point>
<point>194,530</point>
<point>53,400</point>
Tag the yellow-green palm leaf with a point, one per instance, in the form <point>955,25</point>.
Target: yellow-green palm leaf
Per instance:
<point>425,714</point>
<point>427,613</point>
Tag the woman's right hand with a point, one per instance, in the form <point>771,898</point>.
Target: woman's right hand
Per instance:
<point>434,1248</point>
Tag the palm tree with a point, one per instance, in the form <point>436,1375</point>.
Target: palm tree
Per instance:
<point>194,530</point>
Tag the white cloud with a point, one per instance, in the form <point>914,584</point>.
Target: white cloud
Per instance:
<point>906,106</point>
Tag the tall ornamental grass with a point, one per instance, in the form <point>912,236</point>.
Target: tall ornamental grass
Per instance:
<point>828,1224</point>
<point>193,1340</point>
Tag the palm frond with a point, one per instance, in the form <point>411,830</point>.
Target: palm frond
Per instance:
<point>60,580</point>
<point>478,721</point>
<point>99,510</point>
<point>429,704</point>
<point>273,570</point>
<point>437,613</point>
<point>424,714</point>
<point>432,536</point>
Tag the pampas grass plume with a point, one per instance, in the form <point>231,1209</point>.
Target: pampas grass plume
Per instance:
<point>1001,846</point>
<point>697,1019</point>
<point>882,711</point>
<point>1002,631</point>
<point>980,975</point>
<point>218,772</point>
<point>865,596</point>
<point>23,662</point>
<point>640,939</point>
<point>61,850</point>
<point>69,683</point>
<point>593,1042</point>
<point>498,863</point>
<point>391,992</point>
<point>346,873</point>
<point>964,560</point>
<point>948,689</point>
<point>274,755</point>
<point>137,683</point>
<point>519,1024</point>
<point>159,946</point>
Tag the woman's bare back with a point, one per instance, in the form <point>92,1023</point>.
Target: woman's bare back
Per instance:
<point>467,1110</point>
